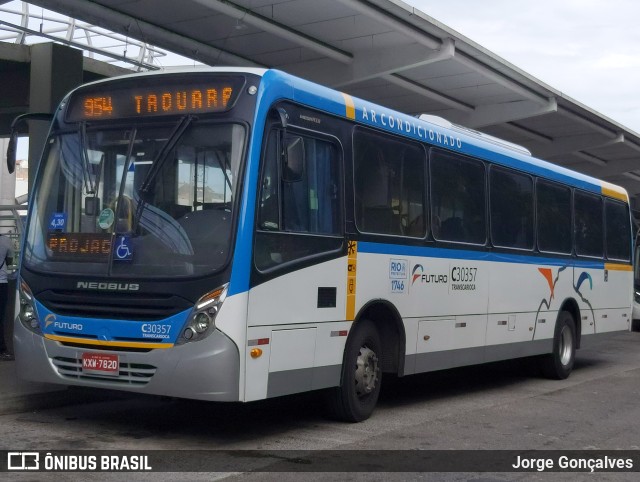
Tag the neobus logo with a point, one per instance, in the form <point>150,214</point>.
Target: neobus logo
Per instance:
<point>95,285</point>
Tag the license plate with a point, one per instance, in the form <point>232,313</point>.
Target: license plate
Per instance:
<point>99,363</point>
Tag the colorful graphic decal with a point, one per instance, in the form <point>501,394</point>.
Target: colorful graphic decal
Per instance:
<point>548,275</point>
<point>416,272</point>
<point>546,272</point>
<point>584,276</point>
<point>581,279</point>
<point>111,331</point>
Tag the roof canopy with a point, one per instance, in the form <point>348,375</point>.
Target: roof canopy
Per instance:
<point>386,52</point>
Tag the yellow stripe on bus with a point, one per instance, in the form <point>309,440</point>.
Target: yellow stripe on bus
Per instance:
<point>611,190</point>
<point>113,344</point>
<point>352,268</point>
<point>618,267</point>
<point>350,106</point>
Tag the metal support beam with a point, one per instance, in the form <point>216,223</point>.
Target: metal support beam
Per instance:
<point>427,92</point>
<point>587,123</point>
<point>615,168</point>
<point>632,185</point>
<point>432,42</point>
<point>498,78</point>
<point>488,115</point>
<point>371,63</point>
<point>396,24</point>
<point>563,145</point>
<point>146,32</point>
<point>533,135</point>
<point>245,15</point>
<point>88,48</point>
<point>590,158</point>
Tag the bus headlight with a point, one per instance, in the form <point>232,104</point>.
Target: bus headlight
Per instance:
<point>636,296</point>
<point>201,322</point>
<point>28,314</point>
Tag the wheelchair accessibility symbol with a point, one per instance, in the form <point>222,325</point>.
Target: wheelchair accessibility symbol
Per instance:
<point>123,250</point>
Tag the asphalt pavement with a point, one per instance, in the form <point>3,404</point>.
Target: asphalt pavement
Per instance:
<point>17,395</point>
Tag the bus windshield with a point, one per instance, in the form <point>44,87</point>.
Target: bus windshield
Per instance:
<point>146,201</point>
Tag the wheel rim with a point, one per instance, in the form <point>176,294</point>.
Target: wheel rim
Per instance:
<point>366,371</point>
<point>566,345</point>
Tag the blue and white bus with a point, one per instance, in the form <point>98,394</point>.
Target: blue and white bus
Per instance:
<point>240,234</point>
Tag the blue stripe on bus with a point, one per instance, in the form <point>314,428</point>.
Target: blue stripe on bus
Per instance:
<point>107,329</point>
<point>273,86</point>
<point>331,101</point>
<point>276,85</point>
<point>470,255</point>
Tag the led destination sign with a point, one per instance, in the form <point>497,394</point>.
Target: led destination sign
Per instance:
<point>117,102</point>
<point>80,246</point>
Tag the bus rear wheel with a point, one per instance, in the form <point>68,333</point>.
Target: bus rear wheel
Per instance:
<point>356,397</point>
<point>559,363</point>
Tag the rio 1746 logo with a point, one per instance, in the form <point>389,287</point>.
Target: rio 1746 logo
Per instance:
<point>398,275</point>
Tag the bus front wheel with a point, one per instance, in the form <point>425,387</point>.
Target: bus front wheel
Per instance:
<point>559,363</point>
<point>357,395</point>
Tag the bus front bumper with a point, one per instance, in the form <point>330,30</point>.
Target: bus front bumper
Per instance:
<point>205,370</point>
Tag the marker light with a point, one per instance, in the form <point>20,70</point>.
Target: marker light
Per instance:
<point>255,352</point>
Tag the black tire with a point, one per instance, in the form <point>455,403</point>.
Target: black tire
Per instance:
<point>559,364</point>
<point>356,397</point>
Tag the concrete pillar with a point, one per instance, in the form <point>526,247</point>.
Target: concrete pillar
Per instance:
<point>55,70</point>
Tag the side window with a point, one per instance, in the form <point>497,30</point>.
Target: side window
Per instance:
<point>457,198</point>
<point>618,230</point>
<point>554,217</point>
<point>389,178</point>
<point>309,192</point>
<point>300,204</point>
<point>511,196</point>
<point>588,224</point>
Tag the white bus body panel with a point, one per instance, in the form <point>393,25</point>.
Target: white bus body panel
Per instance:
<point>455,312</point>
<point>305,343</point>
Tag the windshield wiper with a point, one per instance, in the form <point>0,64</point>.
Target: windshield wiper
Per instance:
<point>158,162</point>
<point>164,152</point>
<point>223,166</point>
<point>86,175</point>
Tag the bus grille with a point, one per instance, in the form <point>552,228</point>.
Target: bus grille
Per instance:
<point>135,374</point>
<point>115,306</point>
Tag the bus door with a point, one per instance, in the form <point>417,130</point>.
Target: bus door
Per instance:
<point>298,289</point>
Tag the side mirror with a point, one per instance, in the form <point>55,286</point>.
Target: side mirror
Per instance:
<point>11,152</point>
<point>293,167</point>
<point>13,136</point>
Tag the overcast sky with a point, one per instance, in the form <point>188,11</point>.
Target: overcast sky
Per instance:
<point>587,49</point>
